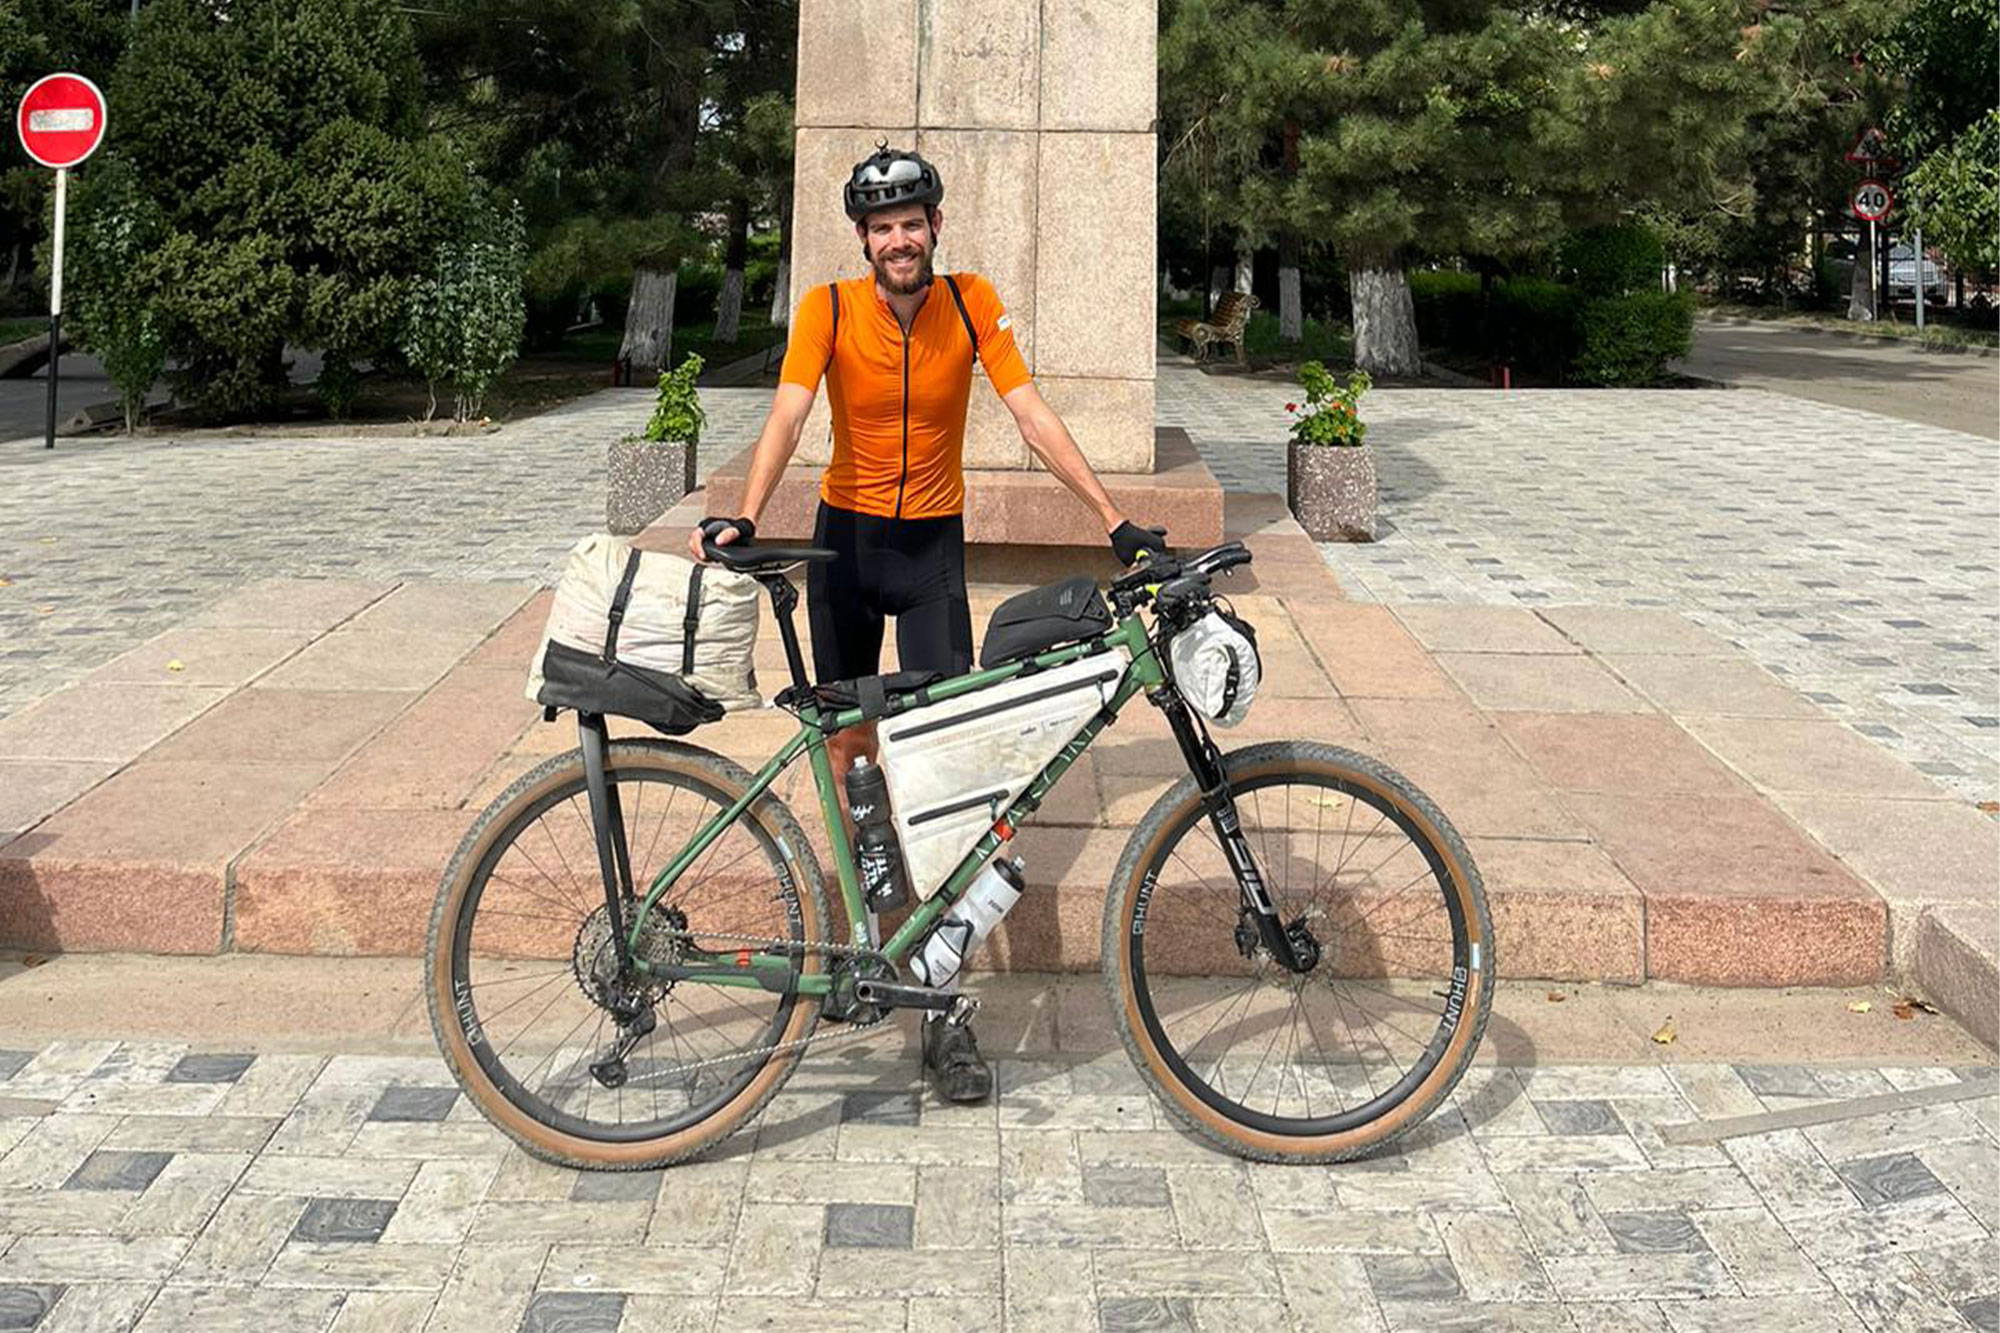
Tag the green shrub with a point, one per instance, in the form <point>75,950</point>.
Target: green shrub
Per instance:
<point>1612,260</point>
<point>462,325</point>
<point>1534,325</point>
<point>677,415</point>
<point>1448,309</point>
<point>1628,340</point>
<point>110,295</point>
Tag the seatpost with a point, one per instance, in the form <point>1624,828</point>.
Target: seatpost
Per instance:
<point>784,601</point>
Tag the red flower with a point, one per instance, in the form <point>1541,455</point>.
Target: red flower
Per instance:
<point>1291,407</point>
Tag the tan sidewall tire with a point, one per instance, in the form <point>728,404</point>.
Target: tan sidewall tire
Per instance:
<point>1146,842</point>
<point>544,1141</point>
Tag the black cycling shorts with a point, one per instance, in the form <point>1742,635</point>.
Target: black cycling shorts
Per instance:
<point>909,568</point>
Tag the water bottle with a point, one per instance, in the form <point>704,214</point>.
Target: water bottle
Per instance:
<point>878,854</point>
<point>968,922</point>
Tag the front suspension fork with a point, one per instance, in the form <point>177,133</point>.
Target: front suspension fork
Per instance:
<point>1205,762</point>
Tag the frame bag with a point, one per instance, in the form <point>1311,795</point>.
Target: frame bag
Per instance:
<point>647,635</point>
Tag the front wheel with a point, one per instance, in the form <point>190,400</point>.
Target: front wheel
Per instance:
<point>1393,941</point>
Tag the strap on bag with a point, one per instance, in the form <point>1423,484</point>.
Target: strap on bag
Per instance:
<point>964,316</point>
<point>872,693</point>
<point>691,620</point>
<point>619,601</point>
<point>833,338</point>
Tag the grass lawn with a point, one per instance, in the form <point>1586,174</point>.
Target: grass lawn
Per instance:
<point>14,330</point>
<point>599,346</point>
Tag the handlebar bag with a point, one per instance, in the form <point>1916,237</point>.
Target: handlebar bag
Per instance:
<point>647,635</point>
<point>1216,668</point>
<point>1043,618</point>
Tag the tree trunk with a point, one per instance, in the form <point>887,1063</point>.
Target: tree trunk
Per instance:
<point>729,307</point>
<point>1291,317</point>
<point>1385,322</point>
<point>649,321</point>
<point>1246,267</point>
<point>1861,287</point>
<point>1218,283</point>
<point>781,289</point>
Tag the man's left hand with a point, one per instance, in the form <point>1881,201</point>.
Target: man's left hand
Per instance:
<point>1131,542</point>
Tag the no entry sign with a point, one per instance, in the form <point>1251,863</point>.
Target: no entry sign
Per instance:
<point>61,120</point>
<point>1872,200</point>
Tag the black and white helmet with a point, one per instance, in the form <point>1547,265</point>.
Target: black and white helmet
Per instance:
<point>889,177</point>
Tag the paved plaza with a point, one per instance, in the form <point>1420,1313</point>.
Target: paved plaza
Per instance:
<point>1852,554</point>
<point>269,1184</point>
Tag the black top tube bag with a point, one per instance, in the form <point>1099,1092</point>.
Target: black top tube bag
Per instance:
<point>1043,618</point>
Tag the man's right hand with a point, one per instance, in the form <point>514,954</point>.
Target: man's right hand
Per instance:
<point>721,531</point>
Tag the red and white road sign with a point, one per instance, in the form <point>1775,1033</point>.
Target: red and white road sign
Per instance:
<point>1872,200</point>
<point>61,120</point>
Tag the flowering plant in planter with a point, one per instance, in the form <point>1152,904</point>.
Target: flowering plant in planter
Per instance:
<point>1331,411</point>
<point>1329,468</point>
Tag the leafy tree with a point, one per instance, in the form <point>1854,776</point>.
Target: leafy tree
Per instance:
<point>284,143</point>
<point>464,318</point>
<point>1955,196</point>
<point>110,309</point>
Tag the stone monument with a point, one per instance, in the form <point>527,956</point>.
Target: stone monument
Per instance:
<point>1040,116</point>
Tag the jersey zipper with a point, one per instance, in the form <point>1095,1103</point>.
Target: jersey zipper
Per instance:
<point>904,479</point>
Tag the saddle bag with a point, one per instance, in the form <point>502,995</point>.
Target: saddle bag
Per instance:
<point>647,635</point>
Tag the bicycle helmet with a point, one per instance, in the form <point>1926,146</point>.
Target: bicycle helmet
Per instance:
<point>889,177</point>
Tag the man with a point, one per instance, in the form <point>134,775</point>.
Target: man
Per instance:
<point>896,350</point>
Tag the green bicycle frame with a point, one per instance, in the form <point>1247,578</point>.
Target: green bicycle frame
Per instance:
<point>1143,672</point>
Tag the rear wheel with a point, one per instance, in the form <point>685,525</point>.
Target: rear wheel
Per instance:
<point>1392,930</point>
<point>522,970</point>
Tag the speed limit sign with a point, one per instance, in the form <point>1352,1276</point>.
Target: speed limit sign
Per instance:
<point>1872,200</point>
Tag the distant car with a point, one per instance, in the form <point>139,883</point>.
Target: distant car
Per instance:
<point>1903,273</point>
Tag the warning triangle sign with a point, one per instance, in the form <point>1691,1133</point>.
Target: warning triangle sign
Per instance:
<point>1871,149</point>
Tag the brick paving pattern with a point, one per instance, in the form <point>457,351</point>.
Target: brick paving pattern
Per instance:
<point>1848,552</point>
<point>141,1187</point>
<point>1863,575</point>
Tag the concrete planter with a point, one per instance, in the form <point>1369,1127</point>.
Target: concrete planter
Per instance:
<point>1331,491</point>
<point>646,479</point>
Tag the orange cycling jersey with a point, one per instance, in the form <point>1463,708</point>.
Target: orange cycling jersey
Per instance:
<point>899,399</point>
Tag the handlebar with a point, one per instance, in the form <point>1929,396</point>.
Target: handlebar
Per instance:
<point>1169,580</point>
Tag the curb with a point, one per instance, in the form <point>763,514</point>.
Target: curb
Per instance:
<point>1865,339</point>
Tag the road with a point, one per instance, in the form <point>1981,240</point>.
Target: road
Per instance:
<point>1955,390</point>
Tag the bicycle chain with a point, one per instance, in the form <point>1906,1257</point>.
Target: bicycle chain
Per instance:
<point>854,1031</point>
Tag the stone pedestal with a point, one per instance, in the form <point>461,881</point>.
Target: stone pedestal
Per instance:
<point>1040,118</point>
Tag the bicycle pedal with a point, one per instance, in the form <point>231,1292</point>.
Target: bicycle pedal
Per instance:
<point>962,1010</point>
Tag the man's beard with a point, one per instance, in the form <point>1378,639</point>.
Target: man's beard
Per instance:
<point>917,282</point>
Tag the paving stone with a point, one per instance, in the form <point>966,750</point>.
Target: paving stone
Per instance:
<point>489,1288</point>
<point>1579,1117</point>
<point>24,1307</point>
<point>414,1104</point>
<point>884,1226</point>
<point>1853,1234</point>
<point>1888,1179</point>
<point>957,1209</point>
<point>1762,1314</point>
<point>1664,1232</point>
<point>1415,1277</point>
<point>880,1108</point>
<point>1494,1259</point>
<point>1136,1314</point>
<point>231,1310</point>
<point>99,1307</point>
<point>636,1268</point>
<point>1760,1254</point>
<point>344,1220</point>
<point>574,1312</point>
<point>318,1266</point>
<point>111,1170</point>
<point>240,1240</point>
<point>63,1259</point>
<point>1132,1186</point>
<point>12,1061</point>
<point>383,1311</point>
<point>207,1068</point>
<point>627,1186</point>
<point>1664,1277</point>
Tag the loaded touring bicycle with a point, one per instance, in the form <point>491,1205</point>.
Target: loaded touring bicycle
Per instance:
<point>632,948</point>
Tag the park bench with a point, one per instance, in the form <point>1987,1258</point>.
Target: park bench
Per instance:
<point>1225,324</point>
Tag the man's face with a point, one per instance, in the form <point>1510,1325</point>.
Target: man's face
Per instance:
<point>898,243</point>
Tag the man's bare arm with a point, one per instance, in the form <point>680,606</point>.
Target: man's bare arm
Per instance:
<point>776,444</point>
<point>1050,439</point>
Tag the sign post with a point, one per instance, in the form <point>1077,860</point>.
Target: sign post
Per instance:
<point>61,122</point>
<point>1918,240</point>
<point>1871,203</point>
